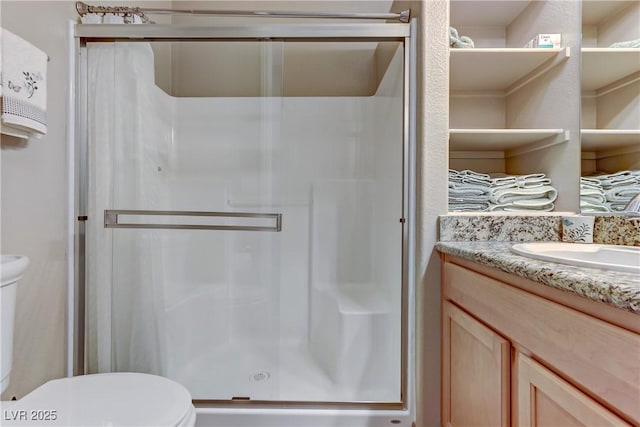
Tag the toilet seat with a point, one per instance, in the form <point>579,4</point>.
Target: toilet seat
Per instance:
<point>112,399</point>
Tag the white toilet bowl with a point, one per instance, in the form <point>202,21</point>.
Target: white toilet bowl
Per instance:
<point>113,399</point>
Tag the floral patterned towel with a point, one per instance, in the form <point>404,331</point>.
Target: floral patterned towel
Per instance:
<point>23,87</point>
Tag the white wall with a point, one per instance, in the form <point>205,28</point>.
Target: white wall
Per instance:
<point>34,197</point>
<point>34,205</point>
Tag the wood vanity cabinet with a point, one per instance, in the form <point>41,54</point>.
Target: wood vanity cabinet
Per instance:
<point>518,353</point>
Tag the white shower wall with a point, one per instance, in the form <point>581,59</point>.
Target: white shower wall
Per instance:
<point>317,306</point>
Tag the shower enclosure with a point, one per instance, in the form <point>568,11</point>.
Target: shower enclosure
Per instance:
<point>246,207</point>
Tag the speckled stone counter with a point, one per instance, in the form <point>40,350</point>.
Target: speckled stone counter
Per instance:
<point>487,240</point>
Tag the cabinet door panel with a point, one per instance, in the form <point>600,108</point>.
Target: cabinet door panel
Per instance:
<point>475,372</point>
<point>546,400</point>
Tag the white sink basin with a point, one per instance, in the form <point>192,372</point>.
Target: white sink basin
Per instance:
<point>610,257</point>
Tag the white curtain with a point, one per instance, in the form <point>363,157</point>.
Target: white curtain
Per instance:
<point>129,135</point>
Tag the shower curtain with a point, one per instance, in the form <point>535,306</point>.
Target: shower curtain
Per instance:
<point>129,136</point>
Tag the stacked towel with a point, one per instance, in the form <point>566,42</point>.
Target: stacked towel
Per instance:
<point>457,41</point>
<point>23,87</point>
<point>532,192</point>
<point>470,190</point>
<point>616,190</point>
<point>592,198</point>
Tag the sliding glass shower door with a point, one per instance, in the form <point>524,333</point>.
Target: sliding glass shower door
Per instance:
<point>246,209</point>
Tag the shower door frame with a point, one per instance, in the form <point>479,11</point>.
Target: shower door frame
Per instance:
<point>334,32</point>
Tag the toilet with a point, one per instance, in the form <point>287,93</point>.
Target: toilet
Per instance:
<point>110,399</point>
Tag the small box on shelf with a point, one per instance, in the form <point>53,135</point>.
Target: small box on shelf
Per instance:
<point>545,41</point>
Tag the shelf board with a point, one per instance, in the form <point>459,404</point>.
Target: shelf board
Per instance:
<point>486,69</point>
<point>608,139</point>
<point>604,66</point>
<point>498,139</point>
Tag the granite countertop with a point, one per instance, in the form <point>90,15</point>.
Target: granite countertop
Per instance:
<point>621,290</point>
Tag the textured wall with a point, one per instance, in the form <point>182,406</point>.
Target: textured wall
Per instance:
<point>432,166</point>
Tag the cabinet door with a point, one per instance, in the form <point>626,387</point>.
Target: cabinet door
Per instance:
<point>546,400</point>
<point>475,374</point>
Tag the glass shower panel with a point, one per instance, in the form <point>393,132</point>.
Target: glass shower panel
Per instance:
<point>253,192</point>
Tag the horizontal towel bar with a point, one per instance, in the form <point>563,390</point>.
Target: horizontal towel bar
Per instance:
<point>112,220</point>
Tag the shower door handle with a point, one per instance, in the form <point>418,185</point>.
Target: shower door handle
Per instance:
<point>261,221</point>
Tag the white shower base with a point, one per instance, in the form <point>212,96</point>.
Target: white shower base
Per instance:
<point>272,372</point>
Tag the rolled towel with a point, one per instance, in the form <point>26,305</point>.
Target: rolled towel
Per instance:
<point>457,41</point>
<point>626,44</point>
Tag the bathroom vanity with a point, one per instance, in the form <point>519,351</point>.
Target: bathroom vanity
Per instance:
<point>535,343</point>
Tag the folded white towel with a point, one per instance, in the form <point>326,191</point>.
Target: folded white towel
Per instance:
<point>592,198</point>
<point>591,187</point>
<point>465,186</point>
<point>24,88</point>
<point>468,192</point>
<point>590,181</point>
<point>467,207</point>
<point>512,194</point>
<point>470,180</point>
<point>467,172</point>
<point>622,194</point>
<point>589,207</point>
<point>499,180</point>
<point>616,207</point>
<point>543,206</point>
<point>614,179</point>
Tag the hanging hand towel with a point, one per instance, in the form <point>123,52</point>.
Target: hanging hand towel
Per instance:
<point>24,89</point>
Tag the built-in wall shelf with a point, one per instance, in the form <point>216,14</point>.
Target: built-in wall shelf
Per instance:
<point>603,67</point>
<point>494,69</point>
<point>486,13</point>
<point>595,11</point>
<point>511,141</point>
<point>607,139</point>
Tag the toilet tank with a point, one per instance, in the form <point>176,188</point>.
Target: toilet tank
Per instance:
<point>11,269</point>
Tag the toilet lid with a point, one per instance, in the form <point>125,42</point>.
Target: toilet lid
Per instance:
<point>113,399</point>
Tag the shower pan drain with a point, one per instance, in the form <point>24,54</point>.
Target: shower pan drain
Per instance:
<point>260,376</point>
